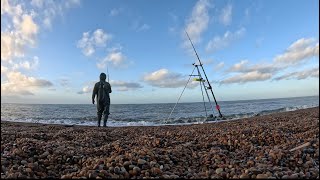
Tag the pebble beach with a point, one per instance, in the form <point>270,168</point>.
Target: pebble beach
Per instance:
<point>276,146</point>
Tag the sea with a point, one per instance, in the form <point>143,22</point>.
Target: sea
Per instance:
<point>152,114</point>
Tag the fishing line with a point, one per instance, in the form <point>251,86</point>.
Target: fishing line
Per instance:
<point>180,96</point>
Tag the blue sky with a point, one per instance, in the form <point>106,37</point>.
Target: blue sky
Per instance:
<point>54,51</point>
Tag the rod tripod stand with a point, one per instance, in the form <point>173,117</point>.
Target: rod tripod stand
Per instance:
<point>206,86</point>
<point>209,87</point>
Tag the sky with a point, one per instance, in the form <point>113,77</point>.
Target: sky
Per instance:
<point>52,52</point>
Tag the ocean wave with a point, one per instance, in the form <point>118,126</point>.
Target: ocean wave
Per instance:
<point>141,120</point>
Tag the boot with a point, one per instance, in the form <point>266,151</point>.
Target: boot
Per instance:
<point>99,119</point>
<point>105,121</point>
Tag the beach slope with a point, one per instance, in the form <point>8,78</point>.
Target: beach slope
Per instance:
<point>257,147</point>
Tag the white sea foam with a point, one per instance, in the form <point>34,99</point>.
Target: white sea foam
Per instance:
<point>149,115</point>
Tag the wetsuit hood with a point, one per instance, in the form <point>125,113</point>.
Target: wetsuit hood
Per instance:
<point>103,77</point>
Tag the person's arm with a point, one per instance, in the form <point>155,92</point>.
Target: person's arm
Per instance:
<point>94,92</point>
<point>110,88</point>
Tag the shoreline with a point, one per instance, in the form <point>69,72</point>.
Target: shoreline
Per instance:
<point>156,125</point>
<point>255,147</point>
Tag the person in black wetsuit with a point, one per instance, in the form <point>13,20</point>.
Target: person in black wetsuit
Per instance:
<point>101,90</point>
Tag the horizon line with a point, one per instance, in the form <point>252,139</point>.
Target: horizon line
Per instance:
<point>159,102</point>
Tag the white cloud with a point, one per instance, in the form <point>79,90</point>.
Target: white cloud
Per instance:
<point>49,9</point>
<point>221,42</point>
<point>226,15</point>
<point>262,67</point>
<point>119,85</point>
<point>28,27</point>
<point>239,66</point>
<point>125,86</point>
<point>197,23</point>
<point>14,41</point>
<point>9,9</point>
<point>85,89</point>
<point>50,12</point>
<point>18,33</point>
<point>100,38</point>
<point>314,72</point>
<point>247,77</point>
<point>88,43</point>
<point>27,65</point>
<point>299,51</point>
<point>116,58</point>
<point>11,46</point>
<point>24,81</point>
<point>163,78</point>
<point>22,25</point>
<point>244,67</point>
<point>301,44</point>
<point>255,72</point>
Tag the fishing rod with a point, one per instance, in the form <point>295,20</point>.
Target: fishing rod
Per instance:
<point>108,72</point>
<point>209,87</point>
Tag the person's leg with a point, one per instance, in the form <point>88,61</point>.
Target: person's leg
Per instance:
<point>106,114</point>
<point>99,113</point>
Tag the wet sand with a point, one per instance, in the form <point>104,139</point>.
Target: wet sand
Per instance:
<point>257,147</point>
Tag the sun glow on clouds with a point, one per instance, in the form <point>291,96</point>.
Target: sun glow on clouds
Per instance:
<point>18,33</point>
<point>17,83</point>
<point>14,40</point>
<point>85,89</point>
